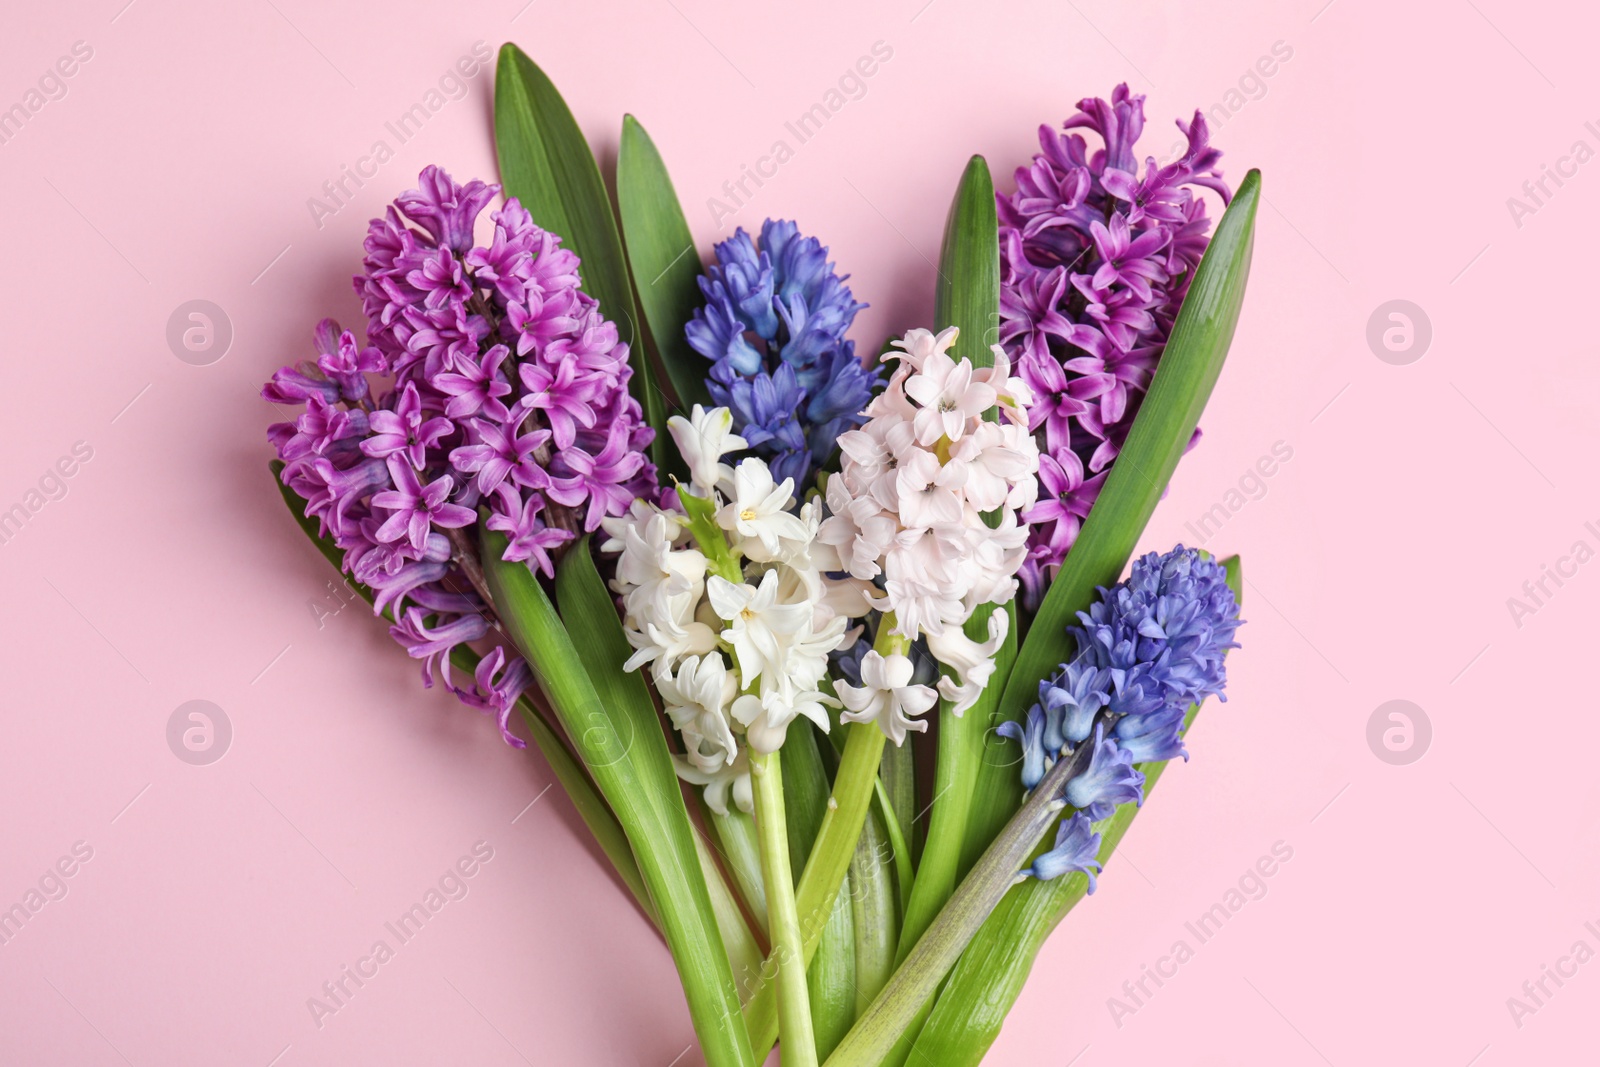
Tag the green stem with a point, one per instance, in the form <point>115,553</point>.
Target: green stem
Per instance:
<point>872,901</point>
<point>736,834</point>
<point>797,1043</point>
<point>902,1000</point>
<point>830,976</point>
<point>960,754</point>
<point>825,869</point>
<point>900,785</point>
<point>985,984</point>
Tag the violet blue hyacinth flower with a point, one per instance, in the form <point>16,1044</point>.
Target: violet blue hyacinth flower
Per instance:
<point>774,327</point>
<point>1148,649</point>
<point>507,391</point>
<point>1095,262</point>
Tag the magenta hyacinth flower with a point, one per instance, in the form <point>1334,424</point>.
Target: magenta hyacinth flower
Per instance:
<point>1095,261</point>
<point>506,391</point>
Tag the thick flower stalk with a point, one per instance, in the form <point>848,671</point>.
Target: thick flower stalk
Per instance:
<point>1147,649</point>
<point>774,326</point>
<point>1150,647</point>
<point>502,389</point>
<point>727,600</point>
<point>1095,262</point>
<point>925,520</point>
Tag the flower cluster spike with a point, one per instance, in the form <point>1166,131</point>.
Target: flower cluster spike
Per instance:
<point>774,327</point>
<point>727,599</point>
<point>1095,261</point>
<point>505,390</point>
<point>908,522</point>
<point>1149,648</point>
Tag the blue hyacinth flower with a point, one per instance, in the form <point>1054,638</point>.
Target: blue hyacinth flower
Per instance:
<point>773,327</point>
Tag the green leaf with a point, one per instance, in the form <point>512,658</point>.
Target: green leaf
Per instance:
<point>744,954</point>
<point>985,983</point>
<point>598,636</point>
<point>831,978</point>
<point>968,293</point>
<point>661,253</point>
<point>1161,431</point>
<point>905,871</point>
<point>625,750</point>
<point>545,162</point>
<point>899,774</point>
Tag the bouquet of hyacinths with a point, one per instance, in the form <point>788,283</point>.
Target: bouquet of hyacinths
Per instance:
<point>723,571</point>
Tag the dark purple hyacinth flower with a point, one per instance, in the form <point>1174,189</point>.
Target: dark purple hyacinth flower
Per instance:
<point>506,390</point>
<point>1095,261</point>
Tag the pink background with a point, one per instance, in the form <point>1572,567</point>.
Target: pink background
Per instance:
<point>1417,500</point>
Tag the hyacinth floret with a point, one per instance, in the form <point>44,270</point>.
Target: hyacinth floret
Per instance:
<point>944,445</point>
<point>1148,649</point>
<point>503,388</point>
<point>727,597</point>
<point>1095,261</point>
<point>774,326</point>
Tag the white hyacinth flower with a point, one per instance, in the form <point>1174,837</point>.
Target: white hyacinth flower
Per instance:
<point>703,439</point>
<point>972,661</point>
<point>757,513</point>
<point>886,696</point>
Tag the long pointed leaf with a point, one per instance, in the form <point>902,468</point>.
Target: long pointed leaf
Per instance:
<point>546,163</point>
<point>624,748</point>
<point>661,252</point>
<point>968,291</point>
<point>1166,421</point>
<point>968,1013</point>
